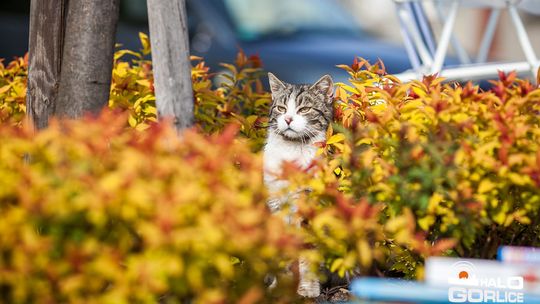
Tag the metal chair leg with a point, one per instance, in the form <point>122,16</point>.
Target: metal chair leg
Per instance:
<point>526,45</point>
<point>442,48</point>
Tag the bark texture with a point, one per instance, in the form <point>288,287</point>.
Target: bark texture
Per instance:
<point>170,59</point>
<point>47,18</point>
<point>87,57</point>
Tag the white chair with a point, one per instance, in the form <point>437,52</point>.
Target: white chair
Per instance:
<point>427,54</point>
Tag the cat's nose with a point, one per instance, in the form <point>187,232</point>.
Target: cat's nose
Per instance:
<point>288,119</point>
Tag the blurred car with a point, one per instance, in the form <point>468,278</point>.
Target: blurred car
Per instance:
<point>298,40</point>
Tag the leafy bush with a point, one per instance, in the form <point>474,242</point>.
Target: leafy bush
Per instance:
<point>453,170</point>
<point>110,214</point>
<point>409,170</point>
<point>239,98</point>
<point>107,215</point>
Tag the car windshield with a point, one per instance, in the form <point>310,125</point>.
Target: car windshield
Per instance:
<point>262,18</point>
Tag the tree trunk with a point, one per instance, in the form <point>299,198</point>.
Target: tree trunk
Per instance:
<point>170,59</point>
<point>87,57</point>
<point>45,56</point>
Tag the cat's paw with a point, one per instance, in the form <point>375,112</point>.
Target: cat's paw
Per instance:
<point>309,288</point>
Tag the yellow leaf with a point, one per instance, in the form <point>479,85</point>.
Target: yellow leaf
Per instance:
<point>426,222</point>
<point>339,137</point>
<point>348,88</point>
<point>460,117</point>
<point>4,89</point>
<point>419,91</point>
<point>341,93</point>
<point>518,179</point>
<point>330,131</point>
<point>412,105</point>
<point>251,119</point>
<point>142,127</point>
<point>521,216</point>
<point>144,82</point>
<point>121,53</point>
<point>500,218</point>
<point>340,147</point>
<point>364,253</point>
<point>224,265</point>
<point>145,41</point>
<point>485,186</point>
<point>364,141</point>
<point>336,264</point>
<point>132,121</point>
<point>434,201</point>
<point>150,110</point>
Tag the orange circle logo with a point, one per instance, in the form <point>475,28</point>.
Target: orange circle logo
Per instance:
<point>463,275</point>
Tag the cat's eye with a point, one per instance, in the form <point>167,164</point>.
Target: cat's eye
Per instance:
<point>304,110</point>
<point>281,109</point>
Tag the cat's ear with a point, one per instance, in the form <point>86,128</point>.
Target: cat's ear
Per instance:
<point>324,85</point>
<point>276,85</point>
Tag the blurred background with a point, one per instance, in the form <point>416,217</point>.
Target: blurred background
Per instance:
<point>298,40</point>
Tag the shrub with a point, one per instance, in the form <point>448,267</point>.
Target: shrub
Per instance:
<point>107,215</point>
<point>239,98</point>
<point>408,170</point>
<point>453,170</point>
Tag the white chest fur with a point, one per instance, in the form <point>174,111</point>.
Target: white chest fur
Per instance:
<point>278,150</point>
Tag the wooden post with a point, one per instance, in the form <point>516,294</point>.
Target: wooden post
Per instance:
<point>87,61</point>
<point>170,59</point>
<point>45,57</point>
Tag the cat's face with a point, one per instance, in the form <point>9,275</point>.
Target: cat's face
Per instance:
<point>301,112</point>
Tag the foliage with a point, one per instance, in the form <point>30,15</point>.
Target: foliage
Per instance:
<point>106,215</point>
<point>236,97</point>
<point>408,170</point>
<point>132,86</point>
<point>239,98</point>
<point>13,90</point>
<point>453,170</point>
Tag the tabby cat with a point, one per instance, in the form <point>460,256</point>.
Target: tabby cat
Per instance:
<point>299,117</point>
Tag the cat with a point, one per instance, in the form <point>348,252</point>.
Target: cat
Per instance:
<point>299,117</point>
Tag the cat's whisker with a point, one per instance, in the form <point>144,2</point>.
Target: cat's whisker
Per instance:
<point>310,132</point>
